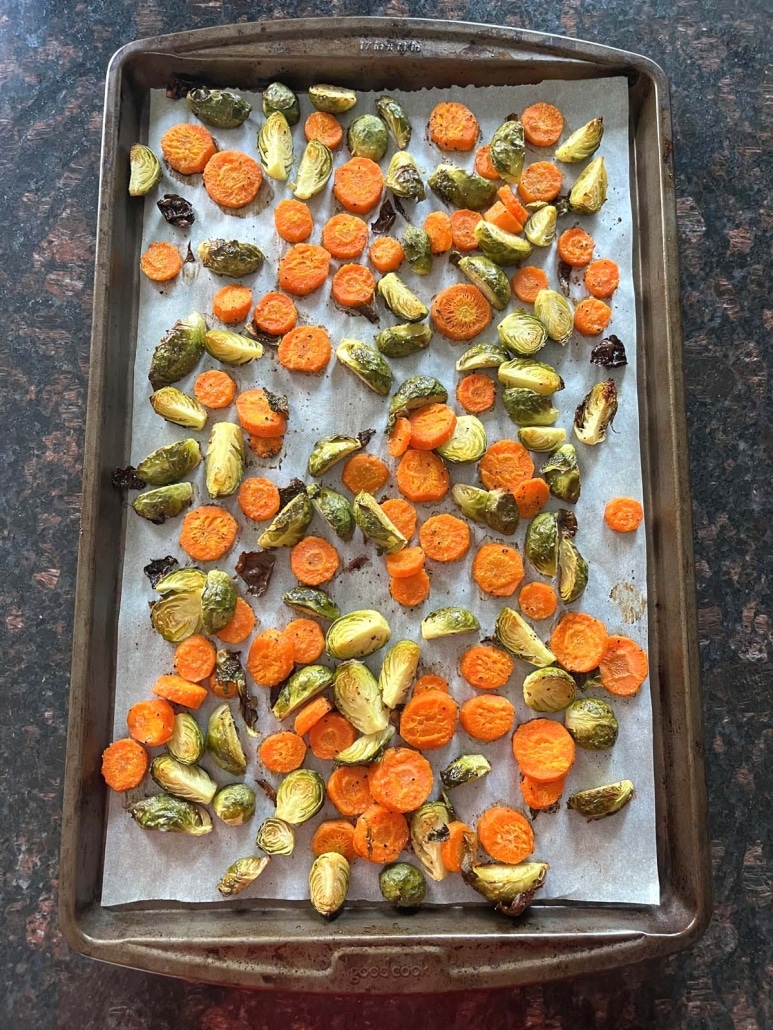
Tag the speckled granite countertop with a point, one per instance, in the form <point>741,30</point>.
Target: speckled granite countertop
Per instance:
<point>52,61</point>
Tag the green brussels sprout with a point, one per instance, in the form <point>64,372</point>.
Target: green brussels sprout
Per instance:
<point>398,671</point>
<point>278,97</point>
<point>402,885</point>
<point>234,804</point>
<point>494,508</point>
<point>429,828</point>
<point>190,782</point>
<point>311,601</point>
<point>448,622</point>
<point>178,351</point>
<point>489,278</point>
<point>314,170</point>
<point>165,502</point>
<point>508,148</point>
<point>218,601</point>
<point>170,463</point>
<point>187,741</point>
<point>591,723</point>
<point>223,742</point>
<point>583,142</point>
<point>334,509</point>
<point>178,614</point>
<point>514,633</point>
<point>415,392</point>
<point>522,334</point>
<point>555,313</point>
<point>463,769</point>
<point>417,248</point>
<point>572,571</point>
<point>562,474</point>
<point>367,137</point>
<point>329,883</point>
<point>540,229</point>
<point>530,375</point>
<point>332,99</point>
<point>589,193</point>
<point>171,815</point>
<point>401,340</point>
<point>399,299</point>
<point>358,698</point>
<point>599,802</point>
<point>232,348</point>
<point>511,887</point>
<point>329,450</point>
<point>366,749</point>
<point>462,189</point>
<point>290,524</point>
<point>275,837</point>
<point>481,355</point>
<point>233,258</point>
<point>241,874</point>
<point>541,438</point>
<point>504,248</point>
<point>225,459</point>
<point>218,107</point>
<point>549,690</point>
<point>181,581</point>
<point>468,442</point>
<point>393,113</point>
<point>144,170</point>
<point>596,413</point>
<point>357,634</point>
<point>275,146</point>
<point>367,364</point>
<point>403,177</point>
<point>541,543</point>
<point>300,796</point>
<point>228,669</point>
<point>177,407</point>
<point>374,524</point>
<point>301,687</point>
<point>527,408</point>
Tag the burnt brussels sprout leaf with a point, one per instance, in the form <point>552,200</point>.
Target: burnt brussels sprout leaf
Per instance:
<point>610,352</point>
<point>177,210</point>
<point>127,479</point>
<point>256,569</point>
<point>287,493</point>
<point>228,669</point>
<point>179,86</point>
<point>386,218</point>
<point>156,569</point>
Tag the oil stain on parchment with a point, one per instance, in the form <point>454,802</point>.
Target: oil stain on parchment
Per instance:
<point>631,602</point>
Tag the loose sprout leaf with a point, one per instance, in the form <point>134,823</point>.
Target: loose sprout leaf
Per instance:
<point>256,569</point>
<point>385,220</point>
<point>127,479</point>
<point>177,211</point>
<point>365,436</point>
<point>179,86</point>
<point>564,276</point>
<point>277,403</point>
<point>229,670</point>
<point>268,790</point>
<point>157,568</point>
<point>293,488</point>
<point>357,563</point>
<point>366,310</point>
<point>610,352</point>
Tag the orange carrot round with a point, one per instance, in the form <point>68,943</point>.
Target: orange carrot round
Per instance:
<point>543,749</point>
<point>303,269</point>
<point>282,752</point>
<point>430,681</point>
<point>453,126</point>
<point>307,639</point>
<point>623,514</point>
<point>364,472</point>
<point>445,538</point>
<point>463,224</point>
<point>314,561</point>
<point>223,688</point>
<point>592,316</point>
<point>187,148</point>
<point>270,659</point>
<point>499,215</point>
<point>258,498</point>
<point>540,181</point>
<point>324,127</point>
<point>538,601</point>
<point>531,496</point>
<point>358,184</point>
<point>353,286</point>
<point>124,764</point>
<point>345,236</point>
<point>401,781</point>
<point>513,204</point>
<point>422,477</point>
<point>179,691</point>
<point>208,532</point>
<point>505,464</point>
<point>275,314</point>
<point>310,714</point>
<point>487,717</point>
<point>539,796</point>
<point>334,835</point>
<point>306,348</point>
<point>437,225</point>
<point>232,179</point>
<point>161,262</point>
<point>460,311</point>
<point>404,563</point>
<point>575,247</point>
<point>331,734</point>
<point>265,446</point>
<point>542,124</point>
<point>483,164</point>
<point>194,658</point>
<point>410,591</point>
<point>293,221</point>
<point>214,389</point>
<point>380,835</point>
<point>399,438</point>
<point>240,625</point>
<point>386,254</point>
<point>432,425</point>
<point>232,303</point>
<point>402,514</point>
<point>485,667</point>
<point>151,722</point>
<point>476,393</point>
<point>602,277</point>
<point>623,668</point>
<point>348,789</point>
<point>497,569</point>
<point>527,282</point>
<point>579,642</point>
<point>452,849</point>
<point>256,416</point>
<point>505,834</point>
<point>428,722</point>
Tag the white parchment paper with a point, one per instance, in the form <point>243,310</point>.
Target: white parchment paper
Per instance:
<point>609,861</point>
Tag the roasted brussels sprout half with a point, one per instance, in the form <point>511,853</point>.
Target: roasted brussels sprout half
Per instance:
<point>401,340</point>
<point>562,474</point>
<point>300,796</point>
<point>144,170</point>
<point>225,459</point>
<point>275,146</point>
<point>468,442</point>
<point>540,229</point>
<point>181,581</point>
<point>503,248</point>
<point>178,351</point>
<point>542,439</point>
<point>481,355</point>
<point>165,502</point>
<point>398,671</point>
<point>314,170</point>
<point>357,634</point>
<point>463,769</point>
<point>555,313</point>
<point>232,348</point>
<point>399,299</point>
<point>170,463</point>
<point>592,724</point>
<point>572,571</point>
<point>311,601</point>
<point>218,601</point>
<point>596,413</point>
<point>393,113</point>
<point>332,99</point>
<point>541,544</point>
<point>278,97</point>
<point>448,622</point>
<point>178,614</point>
<point>171,815</point>
<point>375,525</point>
<point>511,887</point>
<point>412,393</point>
<point>462,189</point>
<point>234,804</point>
<point>223,742</point>
<point>233,258</point>
<point>177,407</point>
<point>549,690</point>
<point>302,686</point>
<point>495,508</point>
<point>275,837</point>
<point>367,364</point>
<point>329,883</point>
<point>429,828</point>
<point>508,147</point>
<point>527,408</point>
<point>599,802</point>
<point>402,885</point>
<point>367,137</point>
<point>589,193</point>
<point>514,633</point>
<point>329,450</point>
<point>583,142</point>
<point>528,374</point>
<point>218,107</point>
<point>358,698</point>
<point>489,278</point>
<point>187,741</point>
<point>190,782</point>
<point>290,524</point>
<point>522,334</point>
<point>241,874</point>
<point>334,509</point>
<point>403,177</point>
<point>366,749</point>
<point>417,248</point>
